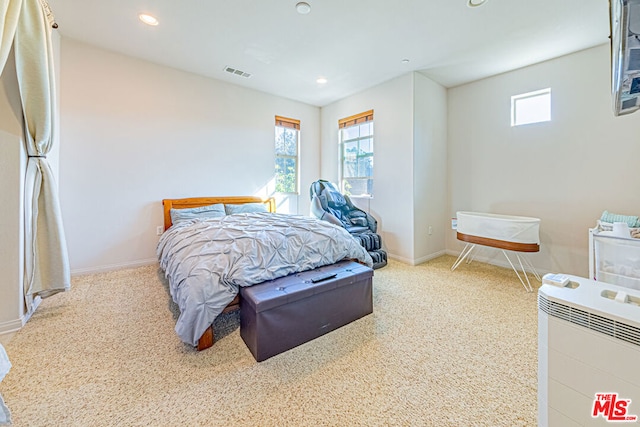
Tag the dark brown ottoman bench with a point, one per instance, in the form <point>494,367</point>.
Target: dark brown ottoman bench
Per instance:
<point>280,314</point>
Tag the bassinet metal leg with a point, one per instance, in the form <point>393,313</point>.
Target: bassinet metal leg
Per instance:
<point>465,252</point>
<point>471,258</point>
<point>529,288</point>
<point>532,268</point>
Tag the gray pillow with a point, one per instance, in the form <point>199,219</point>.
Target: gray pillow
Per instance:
<point>209,211</point>
<point>245,208</point>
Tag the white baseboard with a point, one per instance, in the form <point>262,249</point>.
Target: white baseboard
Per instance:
<point>15,325</point>
<point>399,258</point>
<point>11,326</point>
<point>429,257</point>
<point>418,260</point>
<point>112,267</point>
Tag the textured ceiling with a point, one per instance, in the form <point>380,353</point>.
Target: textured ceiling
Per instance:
<point>355,44</point>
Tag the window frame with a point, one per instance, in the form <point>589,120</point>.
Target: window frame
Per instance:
<point>528,96</point>
<point>365,118</point>
<point>287,123</point>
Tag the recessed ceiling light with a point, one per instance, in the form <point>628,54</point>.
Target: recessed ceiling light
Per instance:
<point>303,8</point>
<point>475,3</point>
<point>405,61</point>
<point>148,19</point>
<point>321,80</point>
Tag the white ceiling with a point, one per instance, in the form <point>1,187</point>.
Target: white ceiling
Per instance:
<point>355,44</point>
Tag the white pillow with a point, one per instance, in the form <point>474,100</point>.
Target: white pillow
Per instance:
<point>245,208</point>
<point>209,211</point>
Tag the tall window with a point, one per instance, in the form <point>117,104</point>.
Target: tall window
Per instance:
<point>356,154</point>
<point>532,107</point>
<point>287,137</point>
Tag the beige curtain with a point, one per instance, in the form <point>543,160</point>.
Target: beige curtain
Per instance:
<point>9,13</point>
<point>46,259</point>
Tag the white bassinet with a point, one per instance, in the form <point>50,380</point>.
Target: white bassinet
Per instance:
<point>505,232</point>
<point>507,228</point>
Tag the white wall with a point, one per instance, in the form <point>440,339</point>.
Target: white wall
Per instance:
<point>392,203</point>
<point>134,133</point>
<point>410,140</point>
<point>430,168</point>
<point>12,170</point>
<point>565,172</point>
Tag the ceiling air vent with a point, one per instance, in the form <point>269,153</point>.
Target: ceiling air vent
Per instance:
<point>237,72</point>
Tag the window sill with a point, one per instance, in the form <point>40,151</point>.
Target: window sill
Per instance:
<point>361,196</point>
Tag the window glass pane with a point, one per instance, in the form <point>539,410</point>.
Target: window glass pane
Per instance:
<point>285,175</point>
<point>365,166</point>
<point>350,132</point>
<point>358,187</point>
<point>533,107</point>
<point>286,141</point>
<point>366,146</point>
<point>533,110</point>
<point>350,149</point>
<point>366,129</point>
<point>290,142</point>
<point>350,168</point>
<point>280,140</point>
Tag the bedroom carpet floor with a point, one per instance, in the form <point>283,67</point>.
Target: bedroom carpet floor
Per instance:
<point>442,348</point>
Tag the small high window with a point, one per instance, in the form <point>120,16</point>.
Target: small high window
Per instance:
<point>532,107</point>
<point>287,147</point>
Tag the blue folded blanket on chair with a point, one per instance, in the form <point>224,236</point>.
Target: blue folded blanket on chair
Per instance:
<point>632,221</point>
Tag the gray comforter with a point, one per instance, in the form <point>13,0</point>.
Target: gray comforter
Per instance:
<point>206,261</point>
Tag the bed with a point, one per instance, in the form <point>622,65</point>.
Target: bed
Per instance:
<point>518,234</point>
<point>207,259</point>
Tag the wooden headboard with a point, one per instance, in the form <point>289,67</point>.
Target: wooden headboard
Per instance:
<point>194,202</point>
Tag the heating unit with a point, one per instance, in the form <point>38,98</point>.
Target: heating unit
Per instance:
<point>588,353</point>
